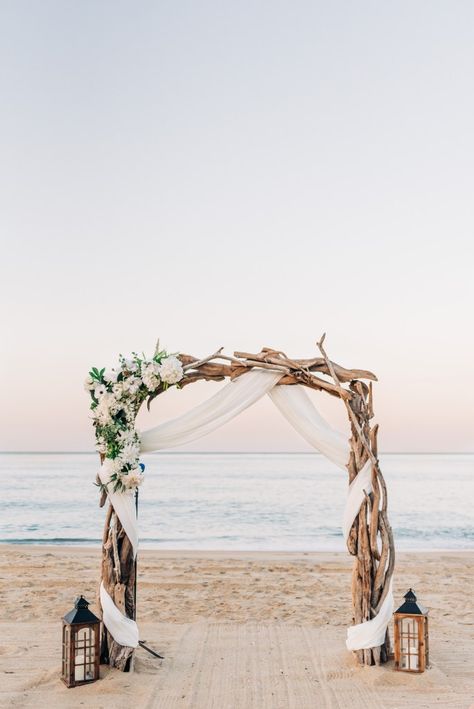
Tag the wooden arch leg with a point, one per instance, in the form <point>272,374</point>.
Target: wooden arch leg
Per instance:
<point>118,577</point>
<point>371,538</point>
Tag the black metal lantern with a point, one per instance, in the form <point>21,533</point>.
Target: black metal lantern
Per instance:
<point>81,637</point>
<point>411,635</point>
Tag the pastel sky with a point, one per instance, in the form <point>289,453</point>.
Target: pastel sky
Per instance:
<point>237,174</point>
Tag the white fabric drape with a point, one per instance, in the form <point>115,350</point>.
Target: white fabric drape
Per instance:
<point>124,506</point>
<point>212,413</point>
<point>372,633</point>
<point>123,630</point>
<point>297,408</point>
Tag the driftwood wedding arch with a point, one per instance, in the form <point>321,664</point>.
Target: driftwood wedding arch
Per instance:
<point>370,540</point>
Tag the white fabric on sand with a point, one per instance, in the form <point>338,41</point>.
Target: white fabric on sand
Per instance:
<point>232,399</point>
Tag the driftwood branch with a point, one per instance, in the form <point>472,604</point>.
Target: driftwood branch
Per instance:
<point>294,371</point>
<point>316,364</point>
<point>200,362</point>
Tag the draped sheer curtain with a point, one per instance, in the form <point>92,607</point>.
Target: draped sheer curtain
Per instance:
<point>236,396</point>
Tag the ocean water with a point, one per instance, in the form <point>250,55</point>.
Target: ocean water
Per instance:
<point>237,501</point>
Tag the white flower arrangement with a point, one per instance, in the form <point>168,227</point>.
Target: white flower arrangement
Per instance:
<point>117,395</point>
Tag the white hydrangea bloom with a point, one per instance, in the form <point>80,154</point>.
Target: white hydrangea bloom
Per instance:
<point>171,370</point>
<point>149,375</point>
<point>131,384</point>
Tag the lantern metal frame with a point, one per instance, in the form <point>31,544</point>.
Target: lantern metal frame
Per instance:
<point>76,621</point>
<point>416,637</point>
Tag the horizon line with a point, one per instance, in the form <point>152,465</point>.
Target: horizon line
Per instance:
<point>237,452</point>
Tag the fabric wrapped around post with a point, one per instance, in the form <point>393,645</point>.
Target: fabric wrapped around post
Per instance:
<point>123,630</point>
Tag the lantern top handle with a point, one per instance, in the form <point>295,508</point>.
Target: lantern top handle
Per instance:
<point>80,613</point>
<point>411,605</point>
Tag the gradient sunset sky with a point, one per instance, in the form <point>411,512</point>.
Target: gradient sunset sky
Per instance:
<point>243,174</point>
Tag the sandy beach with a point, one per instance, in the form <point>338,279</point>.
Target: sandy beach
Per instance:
<point>238,630</point>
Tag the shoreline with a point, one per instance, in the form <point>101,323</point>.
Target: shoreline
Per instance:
<point>225,552</point>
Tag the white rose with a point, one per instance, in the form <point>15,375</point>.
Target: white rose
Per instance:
<point>133,479</point>
<point>110,375</point>
<point>171,370</point>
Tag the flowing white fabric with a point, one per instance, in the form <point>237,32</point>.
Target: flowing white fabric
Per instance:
<point>372,633</point>
<point>297,408</point>
<point>123,630</point>
<point>212,413</point>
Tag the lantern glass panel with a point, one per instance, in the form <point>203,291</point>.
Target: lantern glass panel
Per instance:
<point>84,654</point>
<point>409,635</point>
<point>66,651</point>
<point>409,644</point>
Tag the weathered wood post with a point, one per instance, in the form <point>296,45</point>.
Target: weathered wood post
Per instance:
<point>119,579</point>
<point>371,539</point>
